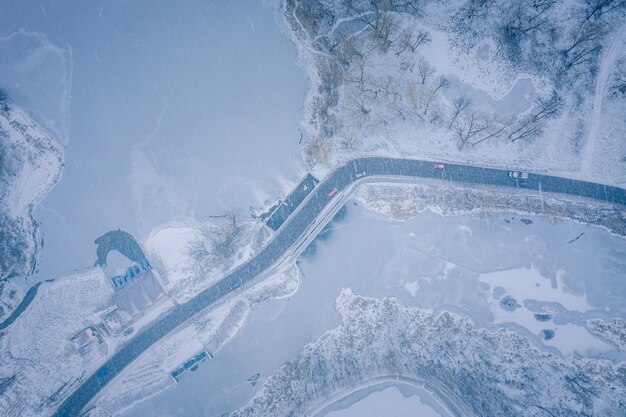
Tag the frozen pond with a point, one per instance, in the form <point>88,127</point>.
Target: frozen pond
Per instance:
<point>171,117</point>
<point>389,400</point>
<point>516,101</point>
<point>462,264</point>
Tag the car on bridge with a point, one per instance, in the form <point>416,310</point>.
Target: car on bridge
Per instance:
<point>518,175</point>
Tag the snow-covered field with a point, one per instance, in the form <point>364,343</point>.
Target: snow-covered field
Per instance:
<point>40,364</point>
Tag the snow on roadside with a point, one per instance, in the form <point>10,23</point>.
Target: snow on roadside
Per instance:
<point>183,254</point>
<point>402,201</point>
<point>168,250</point>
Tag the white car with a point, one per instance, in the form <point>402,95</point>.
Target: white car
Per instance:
<point>360,175</point>
<point>518,174</point>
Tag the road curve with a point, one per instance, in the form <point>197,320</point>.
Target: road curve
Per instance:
<point>296,226</point>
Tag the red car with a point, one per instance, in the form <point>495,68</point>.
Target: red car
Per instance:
<point>439,166</point>
<point>333,192</point>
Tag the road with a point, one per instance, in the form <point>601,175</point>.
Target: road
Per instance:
<point>296,226</point>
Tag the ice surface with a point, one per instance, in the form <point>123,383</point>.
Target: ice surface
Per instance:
<point>191,115</point>
<point>37,75</point>
<point>389,401</point>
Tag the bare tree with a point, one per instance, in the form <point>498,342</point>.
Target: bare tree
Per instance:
<point>436,116</point>
<point>414,96</point>
<point>585,40</point>
<point>409,39</point>
<point>318,150</point>
<point>380,22</point>
<point>468,126</point>
<point>431,95</point>
<point>404,40</point>
<point>425,70</point>
<point>460,104</point>
<point>223,239</point>
<point>361,111</point>
<point>475,9</point>
<point>531,124</point>
<point>358,74</point>
<point>414,7</point>
<point>349,50</point>
<point>527,17</point>
<point>548,107</point>
<point>383,35</point>
<point>387,87</point>
<point>526,128</point>
<point>618,86</point>
<point>583,386</point>
<point>495,131</point>
<point>217,244</point>
<point>596,8</point>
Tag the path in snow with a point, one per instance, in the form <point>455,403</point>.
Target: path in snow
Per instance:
<point>605,70</point>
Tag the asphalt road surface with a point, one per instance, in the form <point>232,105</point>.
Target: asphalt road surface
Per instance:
<point>296,226</point>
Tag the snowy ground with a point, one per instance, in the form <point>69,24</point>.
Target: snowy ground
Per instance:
<point>31,161</point>
<point>605,152</point>
<point>39,363</point>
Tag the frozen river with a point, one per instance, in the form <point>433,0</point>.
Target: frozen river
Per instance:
<point>175,112</point>
<point>463,264</point>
